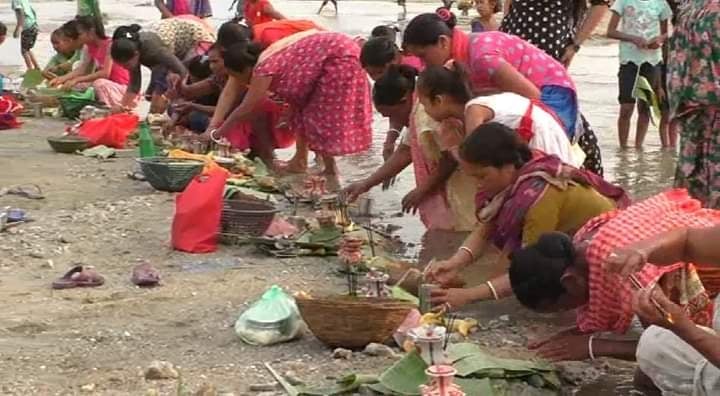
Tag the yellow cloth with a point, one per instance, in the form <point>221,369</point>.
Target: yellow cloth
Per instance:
<point>563,210</point>
<point>210,164</point>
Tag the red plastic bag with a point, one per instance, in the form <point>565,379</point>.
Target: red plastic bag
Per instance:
<point>111,131</point>
<point>197,214</point>
<point>10,108</point>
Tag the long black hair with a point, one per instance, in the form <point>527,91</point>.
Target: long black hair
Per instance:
<point>536,270</point>
<point>397,82</point>
<point>439,80</point>
<point>91,23</point>
<point>426,29</point>
<point>126,42</point>
<point>494,144</point>
<point>241,55</point>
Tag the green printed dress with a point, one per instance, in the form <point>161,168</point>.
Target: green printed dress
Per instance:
<point>694,94</point>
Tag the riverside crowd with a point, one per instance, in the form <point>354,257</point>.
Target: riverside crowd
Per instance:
<point>491,123</point>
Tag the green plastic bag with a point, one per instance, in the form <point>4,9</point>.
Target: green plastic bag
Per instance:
<point>74,101</point>
<point>272,319</point>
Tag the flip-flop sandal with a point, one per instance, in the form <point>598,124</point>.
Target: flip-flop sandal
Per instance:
<point>79,276</point>
<point>30,191</point>
<point>144,275</point>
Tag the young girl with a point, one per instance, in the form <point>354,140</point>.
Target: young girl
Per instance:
<point>644,30</point>
<point>68,52</point>
<point>485,22</point>
<point>108,79</point>
<point>444,197</point>
<point>445,95</point>
<point>260,11</point>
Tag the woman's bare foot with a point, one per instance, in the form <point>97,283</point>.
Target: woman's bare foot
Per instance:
<point>292,166</point>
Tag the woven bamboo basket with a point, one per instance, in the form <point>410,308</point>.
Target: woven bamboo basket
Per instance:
<point>352,322</point>
<point>244,216</point>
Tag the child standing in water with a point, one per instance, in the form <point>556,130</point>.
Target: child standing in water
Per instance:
<point>643,32</point>
<point>26,29</point>
<point>485,21</point>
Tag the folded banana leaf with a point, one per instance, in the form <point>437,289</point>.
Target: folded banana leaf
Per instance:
<point>405,376</point>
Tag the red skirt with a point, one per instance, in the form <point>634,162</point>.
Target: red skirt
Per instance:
<point>241,135</point>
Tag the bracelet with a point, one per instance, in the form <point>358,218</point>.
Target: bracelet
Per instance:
<point>590,348</point>
<point>468,251</point>
<point>212,136</point>
<point>492,290</point>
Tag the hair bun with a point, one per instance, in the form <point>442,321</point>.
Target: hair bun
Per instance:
<point>446,16</point>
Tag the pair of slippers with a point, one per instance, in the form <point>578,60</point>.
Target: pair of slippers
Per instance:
<point>143,275</point>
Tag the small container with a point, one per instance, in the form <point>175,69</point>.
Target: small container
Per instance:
<point>424,295</point>
<point>37,109</point>
<point>365,206</point>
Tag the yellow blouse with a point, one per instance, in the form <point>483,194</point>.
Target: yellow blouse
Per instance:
<point>563,210</point>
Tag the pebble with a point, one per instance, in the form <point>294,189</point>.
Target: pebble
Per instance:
<point>36,254</point>
<point>504,318</point>
<point>270,387</point>
<point>49,264</point>
<point>341,353</point>
<point>379,350</point>
<point>88,388</point>
<point>159,370</point>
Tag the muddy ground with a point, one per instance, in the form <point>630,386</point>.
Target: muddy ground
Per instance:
<point>99,341</point>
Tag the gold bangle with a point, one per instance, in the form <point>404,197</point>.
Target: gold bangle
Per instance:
<point>492,290</point>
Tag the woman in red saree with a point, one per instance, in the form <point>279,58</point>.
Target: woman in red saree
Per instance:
<point>559,273</point>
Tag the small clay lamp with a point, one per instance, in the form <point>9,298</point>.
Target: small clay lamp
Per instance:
<point>429,340</point>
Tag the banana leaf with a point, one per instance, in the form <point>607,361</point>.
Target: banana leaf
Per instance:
<point>462,350</point>
<point>324,235</point>
<point>405,376</point>
<point>32,79</point>
<point>346,384</point>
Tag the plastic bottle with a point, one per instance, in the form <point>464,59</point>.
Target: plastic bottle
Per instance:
<point>146,143</point>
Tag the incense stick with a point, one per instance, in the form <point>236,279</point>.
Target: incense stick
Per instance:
<point>657,305</point>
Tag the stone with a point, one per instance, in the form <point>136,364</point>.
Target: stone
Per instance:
<point>49,264</point>
<point>270,387</point>
<point>207,390</point>
<point>341,353</point>
<point>378,350</point>
<point>504,318</point>
<point>36,254</point>
<point>89,388</point>
<point>159,370</point>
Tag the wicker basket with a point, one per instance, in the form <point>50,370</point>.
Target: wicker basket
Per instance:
<point>352,322</point>
<point>244,216</point>
<point>170,174</point>
<point>68,144</point>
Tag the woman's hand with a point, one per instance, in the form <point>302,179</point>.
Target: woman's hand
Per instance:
<point>411,202</point>
<point>444,273</point>
<point>626,262</point>
<point>651,315</point>
<point>450,299</point>
<point>57,81</point>
<point>69,84</point>
<point>353,191</point>
<point>640,42</point>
